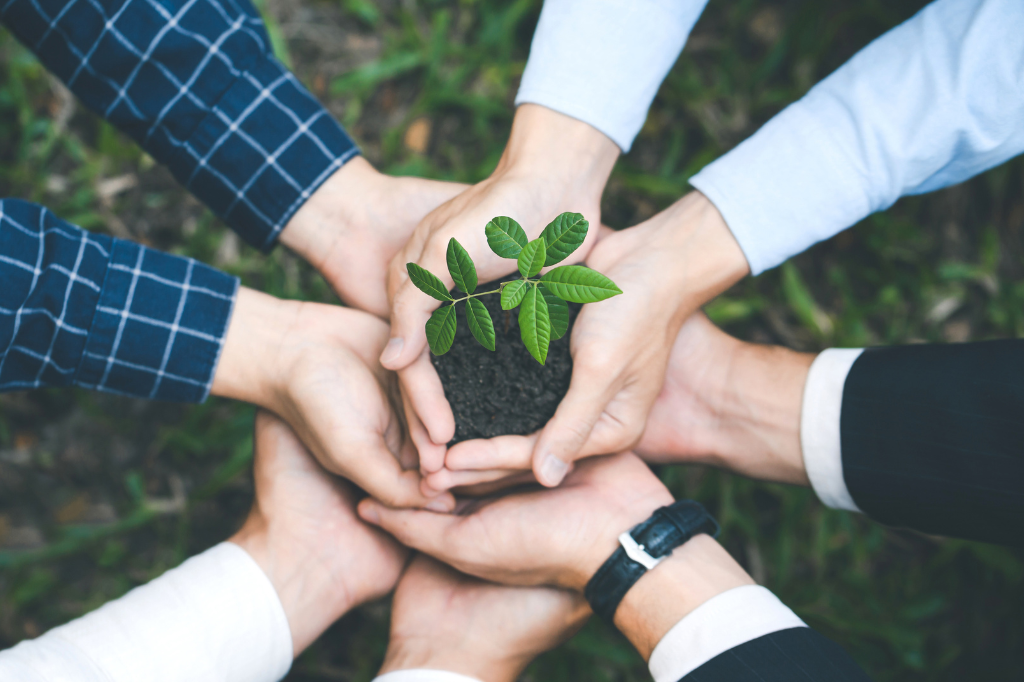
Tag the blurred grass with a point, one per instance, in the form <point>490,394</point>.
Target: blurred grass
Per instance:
<point>99,493</point>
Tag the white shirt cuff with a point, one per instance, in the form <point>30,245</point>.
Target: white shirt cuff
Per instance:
<point>820,437</point>
<point>602,61</point>
<point>215,618</point>
<point>423,675</point>
<point>724,622</point>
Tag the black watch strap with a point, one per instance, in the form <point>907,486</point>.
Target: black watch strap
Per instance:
<point>648,543</point>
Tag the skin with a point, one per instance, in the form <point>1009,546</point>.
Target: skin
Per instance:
<point>304,533</point>
<point>532,184</point>
<point>561,537</point>
<point>724,402</point>
<point>352,226</point>
<point>316,367</point>
<point>667,268</point>
<point>489,632</point>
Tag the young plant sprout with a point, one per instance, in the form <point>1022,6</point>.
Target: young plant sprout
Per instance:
<point>543,312</point>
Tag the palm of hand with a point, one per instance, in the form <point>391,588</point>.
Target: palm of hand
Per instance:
<point>600,499</point>
<point>482,621</point>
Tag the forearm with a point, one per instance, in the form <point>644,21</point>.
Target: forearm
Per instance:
<point>88,310</point>
<point>197,86</point>
<point>215,617</point>
<point>602,61</point>
<point>850,147</point>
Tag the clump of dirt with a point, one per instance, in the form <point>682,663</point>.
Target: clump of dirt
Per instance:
<point>504,392</point>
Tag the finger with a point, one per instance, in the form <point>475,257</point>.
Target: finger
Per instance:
<point>422,387</point>
<point>489,489</point>
<point>425,531</point>
<point>501,452</point>
<point>381,475</point>
<point>563,438</point>
<point>429,453</point>
<point>446,479</point>
<point>410,310</point>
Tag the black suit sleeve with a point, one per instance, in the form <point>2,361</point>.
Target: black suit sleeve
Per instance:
<point>933,438</point>
<point>794,655</point>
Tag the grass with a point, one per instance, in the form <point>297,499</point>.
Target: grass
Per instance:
<point>103,493</point>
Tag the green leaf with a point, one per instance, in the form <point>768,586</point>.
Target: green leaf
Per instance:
<point>480,323</point>
<point>512,294</point>
<point>558,312</point>
<point>441,329</point>
<point>460,267</point>
<point>580,284</point>
<point>531,258</point>
<point>535,325</point>
<point>563,235</point>
<point>428,282</point>
<point>505,237</point>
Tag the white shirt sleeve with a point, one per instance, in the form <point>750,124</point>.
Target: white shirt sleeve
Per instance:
<point>423,675</point>
<point>929,104</point>
<point>820,437</point>
<point>602,61</point>
<point>724,622</point>
<point>215,618</point>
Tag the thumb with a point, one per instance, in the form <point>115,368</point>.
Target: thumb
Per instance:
<point>563,437</point>
<point>410,310</point>
<point>421,530</point>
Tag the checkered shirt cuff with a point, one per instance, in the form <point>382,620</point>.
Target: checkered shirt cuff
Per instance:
<point>89,310</point>
<point>196,84</point>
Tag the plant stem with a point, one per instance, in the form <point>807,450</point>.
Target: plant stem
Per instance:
<point>495,291</point>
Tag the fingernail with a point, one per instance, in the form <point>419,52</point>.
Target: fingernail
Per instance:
<point>369,513</point>
<point>438,505</point>
<point>392,350</point>
<point>553,470</point>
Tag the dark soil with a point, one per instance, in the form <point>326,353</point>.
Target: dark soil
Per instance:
<point>503,392</point>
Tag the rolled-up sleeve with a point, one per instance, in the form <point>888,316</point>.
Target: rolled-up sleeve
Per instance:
<point>196,84</point>
<point>89,310</point>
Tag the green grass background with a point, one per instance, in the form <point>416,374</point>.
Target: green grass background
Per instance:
<point>99,493</point>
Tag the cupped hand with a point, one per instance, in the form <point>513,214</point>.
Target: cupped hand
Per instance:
<point>536,537</point>
<point>316,367</point>
<point>304,533</point>
<point>444,620</point>
<point>666,267</point>
<point>352,226</point>
<point>552,164</point>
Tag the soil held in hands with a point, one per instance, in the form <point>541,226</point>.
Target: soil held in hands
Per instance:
<point>505,391</point>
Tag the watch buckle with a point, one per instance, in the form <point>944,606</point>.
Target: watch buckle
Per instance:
<point>638,552</point>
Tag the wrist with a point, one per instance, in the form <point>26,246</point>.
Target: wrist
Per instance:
<point>427,655</point>
<point>760,410</point>
<point>694,573</point>
<point>248,366</point>
<point>333,211</point>
<point>309,596</point>
<point>567,155</point>
<point>706,258</point>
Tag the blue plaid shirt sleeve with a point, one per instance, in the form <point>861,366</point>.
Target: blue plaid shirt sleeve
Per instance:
<point>89,310</point>
<point>196,84</point>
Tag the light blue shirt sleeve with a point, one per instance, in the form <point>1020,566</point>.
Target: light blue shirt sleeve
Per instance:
<point>602,61</point>
<point>931,103</point>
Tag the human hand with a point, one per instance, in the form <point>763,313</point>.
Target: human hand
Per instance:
<point>561,537</point>
<point>316,367</point>
<point>666,267</point>
<point>445,620</point>
<point>304,533</point>
<point>731,404</point>
<point>352,226</point>
<point>552,164</point>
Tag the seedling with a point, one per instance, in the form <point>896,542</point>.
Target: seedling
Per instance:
<point>543,311</point>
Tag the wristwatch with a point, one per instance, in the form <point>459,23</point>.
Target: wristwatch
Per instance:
<point>643,548</point>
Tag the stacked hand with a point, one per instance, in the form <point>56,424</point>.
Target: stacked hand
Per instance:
<point>304,533</point>
<point>666,267</point>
